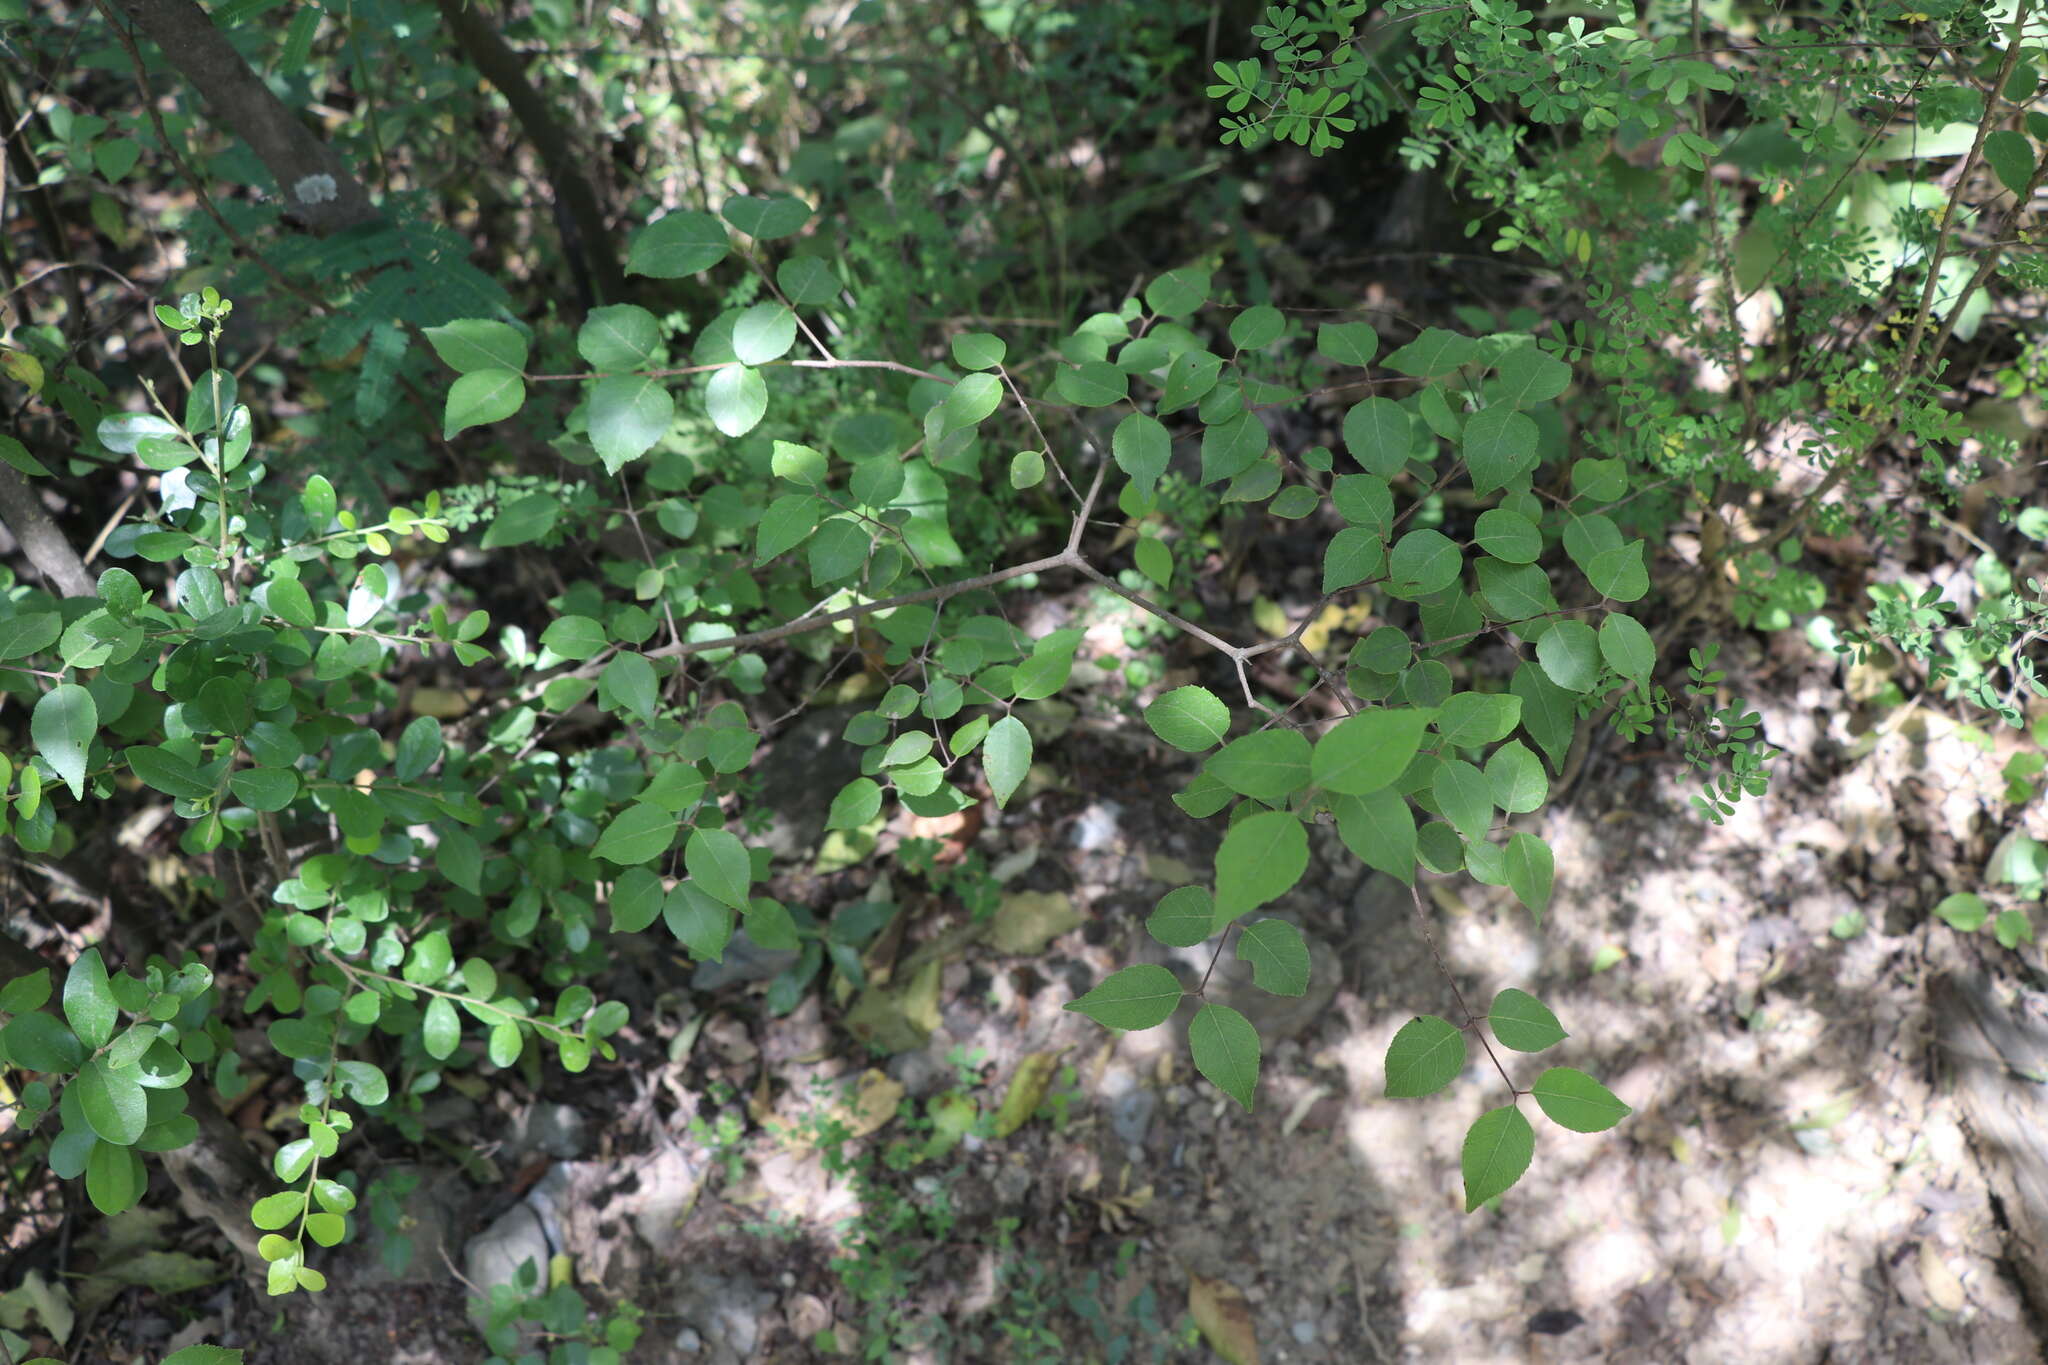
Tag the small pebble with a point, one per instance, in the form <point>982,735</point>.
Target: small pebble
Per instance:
<point>1304,1331</point>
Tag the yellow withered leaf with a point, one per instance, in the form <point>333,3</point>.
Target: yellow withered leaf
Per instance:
<point>1028,1085</point>
<point>1225,1319</point>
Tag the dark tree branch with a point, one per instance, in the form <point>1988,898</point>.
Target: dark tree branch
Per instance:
<point>46,547</point>
<point>316,187</point>
<point>487,50</point>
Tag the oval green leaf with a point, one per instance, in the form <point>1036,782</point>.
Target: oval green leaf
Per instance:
<point>1137,997</point>
<point>1425,1056</point>
<point>1226,1050</point>
<point>1576,1101</point>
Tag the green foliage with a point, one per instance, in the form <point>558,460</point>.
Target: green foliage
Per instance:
<point>768,461</point>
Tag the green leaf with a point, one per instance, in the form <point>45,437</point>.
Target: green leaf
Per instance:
<point>276,1210</point>
<point>1576,1101</point>
<point>40,1042</point>
<point>2011,156</point>
<point>124,432</point>
<point>113,1102</point>
<point>1600,480</point>
<point>62,727</point>
<point>799,464</point>
<point>1425,1056</point>
<point>1178,292</point>
<point>1962,911</point>
<point>788,523</point>
<point>969,401</point>
<point>1142,448</point>
<point>504,1042</point>
<point>1348,343</point>
<point>807,281</point>
<point>699,923</point>
<point>1364,500</point>
<point>1154,560</point>
<point>1515,777</point>
<point>481,398</point>
<point>1093,384</point>
<point>1233,446</point>
<point>763,333</point>
<point>858,802</point>
<point>21,636</point>
<point>15,453</point>
<point>736,399</point>
<point>1570,654</point>
<point>1353,555</point>
<point>1191,375</point>
<point>89,1000</point>
<point>26,993</point>
<point>1549,713</point>
<point>838,550</point>
<point>1529,867</point>
<point>1379,829</point>
<point>1226,1049</point>
<point>1137,997</point>
<point>1523,1022</point>
<point>766,219</point>
<point>1500,446</point>
<point>1527,376</point>
<point>978,351</point>
<point>1462,795</point>
<point>1261,858</point>
<point>460,859</point>
<point>677,244</point>
<point>265,789</point>
<point>362,1081</point>
<point>1027,469</point>
<point>1509,536</point>
<point>1423,562</point>
<point>574,637</point>
<point>1278,954</point>
<point>440,1029</point>
<point>114,1179</point>
<point>1627,647</point>
<point>1514,592</point>
<point>1184,917</point>
<point>1619,573</point>
<point>618,336</point>
<point>1435,353</point>
<point>522,520</point>
<point>717,861</point>
<point>1368,751</point>
<point>1497,1150</point>
<point>635,900</point>
<point>471,345</point>
<point>1006,758</point>
<point>1268,766</point>
<point>1295,502</point>
<point>1190,718</point>
<point>419,748</point>
<point>629,680</point>
<point>429,961</point>
<point>319,501</point>
<point>1468,719</point>
<point>628,413</point>
<point>288,600</point>
<point>638,833</point>
<point>1377,433</point>
<point>1257,327</point>
<point>120,592</point>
